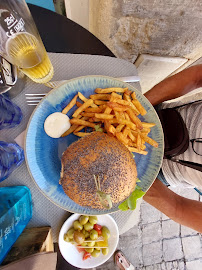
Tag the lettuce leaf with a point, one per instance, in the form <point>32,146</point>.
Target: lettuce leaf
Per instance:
<point>130,203</point>
<point>98,128</point>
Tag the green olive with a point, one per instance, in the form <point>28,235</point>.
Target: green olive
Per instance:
<point>79,237</point>
<point>105,232</point>
<point>66,238</point>
<point>96,246</point>
<point>83,231</point>
<point>77,225</point>
<point>105,251</point>
<point>93,235</point>
<point>88,226</point>
<point>70,233</point>
<point>95,253</point>
<point>90,249</point>
<point>90,244</point>
<point>93,219</point>
<point>83,219</point>
<point>86,234</point>
<point>84,244</point>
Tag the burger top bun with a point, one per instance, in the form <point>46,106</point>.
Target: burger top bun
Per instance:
<point>98,162</point>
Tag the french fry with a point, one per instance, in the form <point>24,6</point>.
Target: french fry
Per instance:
<point>114,121</point>
<point>134,107</point>
<point>70,130</point>
<point>83,107</point>
<point>88,114</point>
<point>108,110</point>
<point>122,102</point>
<point>81,96</point>
<point>117,115</point>
<point>119,127</point>
<point>93,110</point>
<point>94,119</point>
<point>100,102</point>
<point>132,137</point>
<point>122,115</point>
<point>79,128</point>
<point>148,125</point>
<point>84,99</point>
<point>135,132</point>
<point>130,124</point>
<point>143,146</point>
<point>115,96</point>
<point>70,105</point>
<point>135,119</point>
<point>81,134</point>
<point>128,98</point>
<point>134,149</point>
<point>127,92</point>
<point>145,130</point>
<point>104,116</point>
<point>110,90</point>
<point>117,107</point>
<point>126,116</point>
<point>106,126</point>
<point>112,129</point>
<point>137,104</point>
<point>100,96</point>
<point>126,131</point>
<point>121,138</point>
<point>139,107</point>
<point>149,140</point>
<point>130,143</point>
<point>82,122</point>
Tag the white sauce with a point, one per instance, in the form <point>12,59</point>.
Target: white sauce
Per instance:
<point>56,124</point>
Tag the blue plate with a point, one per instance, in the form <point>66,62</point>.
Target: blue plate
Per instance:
<point>43,154</point>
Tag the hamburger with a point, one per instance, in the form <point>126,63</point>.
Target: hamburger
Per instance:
<point>98,168</point>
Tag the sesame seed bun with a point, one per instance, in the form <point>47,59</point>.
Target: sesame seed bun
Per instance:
<point>101,155</point>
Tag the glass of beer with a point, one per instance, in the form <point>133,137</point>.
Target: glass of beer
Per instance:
<point>20,42</point>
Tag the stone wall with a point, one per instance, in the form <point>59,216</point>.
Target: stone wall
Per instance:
<point>156,27</point>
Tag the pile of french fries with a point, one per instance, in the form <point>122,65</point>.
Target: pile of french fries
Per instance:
<point>114,111</point>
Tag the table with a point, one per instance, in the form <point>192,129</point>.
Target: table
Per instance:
<point>78,41</point>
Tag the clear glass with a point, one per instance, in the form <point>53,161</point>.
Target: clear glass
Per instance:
<point>10,113</point>
<point>20,42</point>
<point>11,157</point>
<point>15,213</point>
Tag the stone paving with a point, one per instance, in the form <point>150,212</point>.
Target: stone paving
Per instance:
<point>158,243</point>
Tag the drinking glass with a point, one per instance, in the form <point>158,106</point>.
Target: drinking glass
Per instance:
<point>20,42</point>
<point>11,156</point>
<point>10,113</point>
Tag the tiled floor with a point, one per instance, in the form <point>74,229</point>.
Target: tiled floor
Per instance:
<point>158,243</point>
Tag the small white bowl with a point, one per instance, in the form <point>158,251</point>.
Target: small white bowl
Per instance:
<point>70,252</point>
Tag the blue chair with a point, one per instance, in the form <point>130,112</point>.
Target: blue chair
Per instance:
<point>48,4</point>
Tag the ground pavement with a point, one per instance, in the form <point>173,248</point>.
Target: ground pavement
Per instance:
<point>158,243</point>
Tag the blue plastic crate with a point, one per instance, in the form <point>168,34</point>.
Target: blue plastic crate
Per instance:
<point>15,213</point>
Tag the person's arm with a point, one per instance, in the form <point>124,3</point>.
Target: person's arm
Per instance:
<point>182,210</point>
<point>176,85</point>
